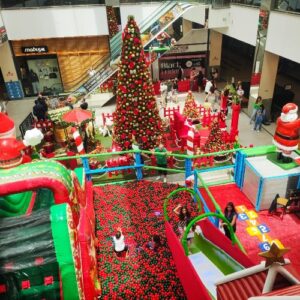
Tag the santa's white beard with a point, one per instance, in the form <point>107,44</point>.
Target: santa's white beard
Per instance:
<point>290,117</point>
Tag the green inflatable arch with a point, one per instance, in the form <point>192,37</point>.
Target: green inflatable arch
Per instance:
<point>176,192</point>
<point>203,216</point>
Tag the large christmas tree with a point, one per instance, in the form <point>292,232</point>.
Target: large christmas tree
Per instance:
<point>113,28</point>
<point>136,110</point>
<point>190,109</point>
<point>215,141</point>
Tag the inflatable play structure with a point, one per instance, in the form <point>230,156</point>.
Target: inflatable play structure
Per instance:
<point>47,237</point>
<point>47,215</point>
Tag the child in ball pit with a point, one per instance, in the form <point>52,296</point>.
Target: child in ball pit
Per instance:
<point>155,243</point>
<point>184,217</point>
<point>119,243</point>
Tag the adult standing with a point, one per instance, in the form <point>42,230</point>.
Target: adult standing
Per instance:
<point>84,105</point>
<point>193,75</point>
<point>161,161</point>
<point>224,101</point>
<point>211,98</point>
<point>240,92</point>
<point>39,110</point>
<point>34,81</point>
<point>180,73</point>
<point>3,108</point>
<point>43,101</point>
<point>231,216</point>
<point>208,85</point>
<point>200,78</point>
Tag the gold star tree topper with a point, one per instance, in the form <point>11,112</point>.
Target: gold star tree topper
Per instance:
<point>274,255</point>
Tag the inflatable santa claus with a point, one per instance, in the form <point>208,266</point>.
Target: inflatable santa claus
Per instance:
<point>286,137</point>
<point>7,126</point>
<point>11,150</point>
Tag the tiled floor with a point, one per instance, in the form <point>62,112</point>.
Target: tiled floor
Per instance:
<point>19,109</point>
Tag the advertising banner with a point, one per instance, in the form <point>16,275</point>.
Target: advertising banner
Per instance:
<point>169,65</point>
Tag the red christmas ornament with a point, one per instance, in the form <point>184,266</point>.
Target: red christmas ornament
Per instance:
<point>144,139</point>
<point>126,144</point>
<point>123,89</point>
<point>131,65</point>
<point>136,111</point>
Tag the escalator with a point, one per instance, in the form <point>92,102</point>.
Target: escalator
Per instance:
<point>150,28</point>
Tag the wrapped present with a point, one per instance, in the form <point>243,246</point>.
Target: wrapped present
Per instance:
<point>48,147</point>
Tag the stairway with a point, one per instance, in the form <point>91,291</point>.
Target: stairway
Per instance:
<point>108,67</point>
<point>215,177</point>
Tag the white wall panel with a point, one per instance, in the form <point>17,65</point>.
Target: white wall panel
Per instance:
<point>241,22</point>
<point>140,12</point>
<point>196,14</point>
<point>1,21</point>
<point>284,35</point>
<point>55,22</point>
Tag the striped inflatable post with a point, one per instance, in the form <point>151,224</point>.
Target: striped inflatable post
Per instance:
<point>190,141</point>
<point>78,141</point>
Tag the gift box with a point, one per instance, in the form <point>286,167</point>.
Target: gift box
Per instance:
<point>48,147</point>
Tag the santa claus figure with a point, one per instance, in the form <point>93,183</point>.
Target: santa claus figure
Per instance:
<point>286,137</point>
<point>7,127</point>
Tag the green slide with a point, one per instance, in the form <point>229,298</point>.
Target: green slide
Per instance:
<point>211,263</point>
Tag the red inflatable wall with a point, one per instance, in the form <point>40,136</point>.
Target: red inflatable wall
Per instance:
<point>193,286</point>
<point>213,234</point>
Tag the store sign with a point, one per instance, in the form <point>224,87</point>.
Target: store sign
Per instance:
<point>35,49</point>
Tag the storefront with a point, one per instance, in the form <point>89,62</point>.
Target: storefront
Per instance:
<point>54,66</point>
<point>39,74</point>
<point>169,64</point>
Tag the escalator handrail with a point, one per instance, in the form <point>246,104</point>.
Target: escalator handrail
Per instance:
<point>109,74</point>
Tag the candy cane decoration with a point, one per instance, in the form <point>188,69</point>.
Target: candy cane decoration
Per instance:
<point>190,141</point>
<point>78,141</point>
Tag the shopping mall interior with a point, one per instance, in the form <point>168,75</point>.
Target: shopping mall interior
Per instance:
<point>149,149</point>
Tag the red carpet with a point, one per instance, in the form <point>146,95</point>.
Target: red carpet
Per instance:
<point>138,208</point>
<point>286,230</point>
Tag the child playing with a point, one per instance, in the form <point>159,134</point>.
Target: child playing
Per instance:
<point>119,243</point>
<point>184,217</point>
<point>155,243</point>
<point>259,119</point>
<point>190,237</point>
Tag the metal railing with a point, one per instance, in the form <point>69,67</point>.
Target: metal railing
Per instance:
<point>26,124</point>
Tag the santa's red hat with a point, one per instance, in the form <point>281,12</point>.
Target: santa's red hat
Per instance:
<point>7,128</point>
<point>290,108</point>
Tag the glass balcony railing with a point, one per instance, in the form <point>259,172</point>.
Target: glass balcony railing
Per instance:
<point>41,3</point>
<point>288,5</point>
<point>220,3</point>
<point>44,3</point>
<point>247,2</point>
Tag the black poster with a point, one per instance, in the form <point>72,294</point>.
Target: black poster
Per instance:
<point>169,65</point>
